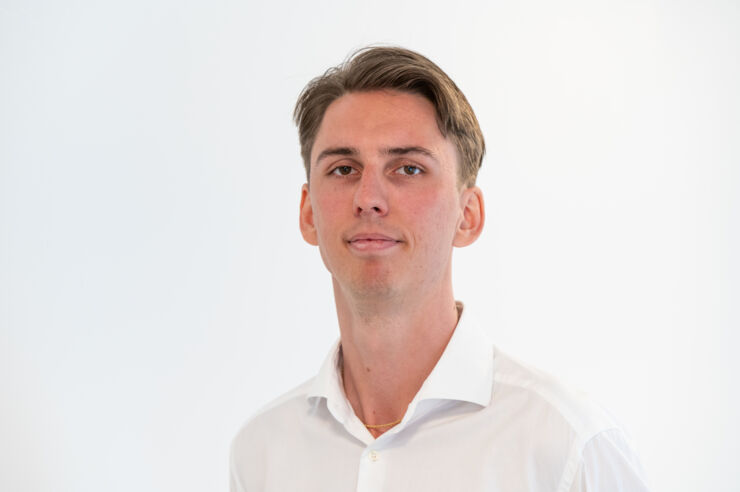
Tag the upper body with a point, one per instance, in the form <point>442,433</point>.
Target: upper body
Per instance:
<point>482,421</point>
<point>391,149</point>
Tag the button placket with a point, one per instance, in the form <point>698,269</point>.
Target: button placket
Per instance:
<point>372,471</point>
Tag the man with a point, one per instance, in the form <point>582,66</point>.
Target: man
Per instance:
<point>413,396</point>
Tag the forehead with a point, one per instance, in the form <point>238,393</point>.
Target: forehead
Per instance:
<point>369,120</point>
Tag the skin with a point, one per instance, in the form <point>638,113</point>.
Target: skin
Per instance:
<point>385,207</point>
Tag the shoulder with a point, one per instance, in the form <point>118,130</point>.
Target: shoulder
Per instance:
<point>515,381</point>
<point>251,448</point>
<point>275,415</point>
<point>566,428</point>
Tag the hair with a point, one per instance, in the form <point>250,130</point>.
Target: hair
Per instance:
<point>394,68</point>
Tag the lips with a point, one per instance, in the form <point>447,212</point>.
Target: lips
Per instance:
<point>371,242</point>
<point>371,237</point>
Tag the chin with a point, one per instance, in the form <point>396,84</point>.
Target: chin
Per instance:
<point>371,288</point>
<point>376,291</point>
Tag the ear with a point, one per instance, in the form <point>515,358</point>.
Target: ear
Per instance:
<point>308,230</point>
<point>473,217</point>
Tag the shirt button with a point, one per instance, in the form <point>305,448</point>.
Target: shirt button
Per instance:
<point>373,456</point>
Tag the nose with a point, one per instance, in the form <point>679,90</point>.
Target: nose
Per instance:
<point>370,195</point>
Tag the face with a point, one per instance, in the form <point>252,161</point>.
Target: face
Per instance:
<point>383,203</point>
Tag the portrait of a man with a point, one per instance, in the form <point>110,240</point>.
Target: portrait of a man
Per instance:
<point>373,246</point>
<point>414,396</point>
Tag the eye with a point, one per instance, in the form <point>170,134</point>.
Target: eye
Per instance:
<point>342,170</point>
<point>409,170</point>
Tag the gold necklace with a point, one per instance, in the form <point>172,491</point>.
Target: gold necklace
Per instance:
<point>369,426</point>
<point>378,426</point>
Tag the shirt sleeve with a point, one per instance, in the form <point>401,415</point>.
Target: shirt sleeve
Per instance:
<point>234,482</point>
<point>609,465</point>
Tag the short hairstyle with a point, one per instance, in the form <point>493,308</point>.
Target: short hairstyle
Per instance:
<point>394,68</point>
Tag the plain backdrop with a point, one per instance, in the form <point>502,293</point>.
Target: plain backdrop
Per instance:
<point>154,287</point>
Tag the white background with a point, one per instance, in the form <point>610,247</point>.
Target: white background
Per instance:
<point>154,288</point>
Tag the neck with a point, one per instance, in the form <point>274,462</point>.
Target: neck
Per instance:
<point>389,349</point>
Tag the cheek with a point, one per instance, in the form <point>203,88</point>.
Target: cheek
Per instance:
<point>326,220</point>
<point>436,216</point>
<point>327,211</point>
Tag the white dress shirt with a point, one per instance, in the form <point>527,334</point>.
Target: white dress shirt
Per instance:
<point>480,422</point>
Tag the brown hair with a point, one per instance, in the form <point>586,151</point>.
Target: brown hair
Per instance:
<point>378,68</point>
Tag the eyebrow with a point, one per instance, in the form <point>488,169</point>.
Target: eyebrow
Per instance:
<point>343,151</point>
<point>351,151</point>
<point>409,150</point>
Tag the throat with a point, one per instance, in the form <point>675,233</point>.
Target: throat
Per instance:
<point>383,369</point>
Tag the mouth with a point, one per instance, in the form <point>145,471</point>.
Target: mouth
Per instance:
<point>372,242</point>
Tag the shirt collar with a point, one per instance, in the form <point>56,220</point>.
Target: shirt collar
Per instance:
<point>464,372</point>
<point>328,384</point>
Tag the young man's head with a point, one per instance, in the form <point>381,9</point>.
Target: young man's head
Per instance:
<point>402,70</point>
<point>392,149</point>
